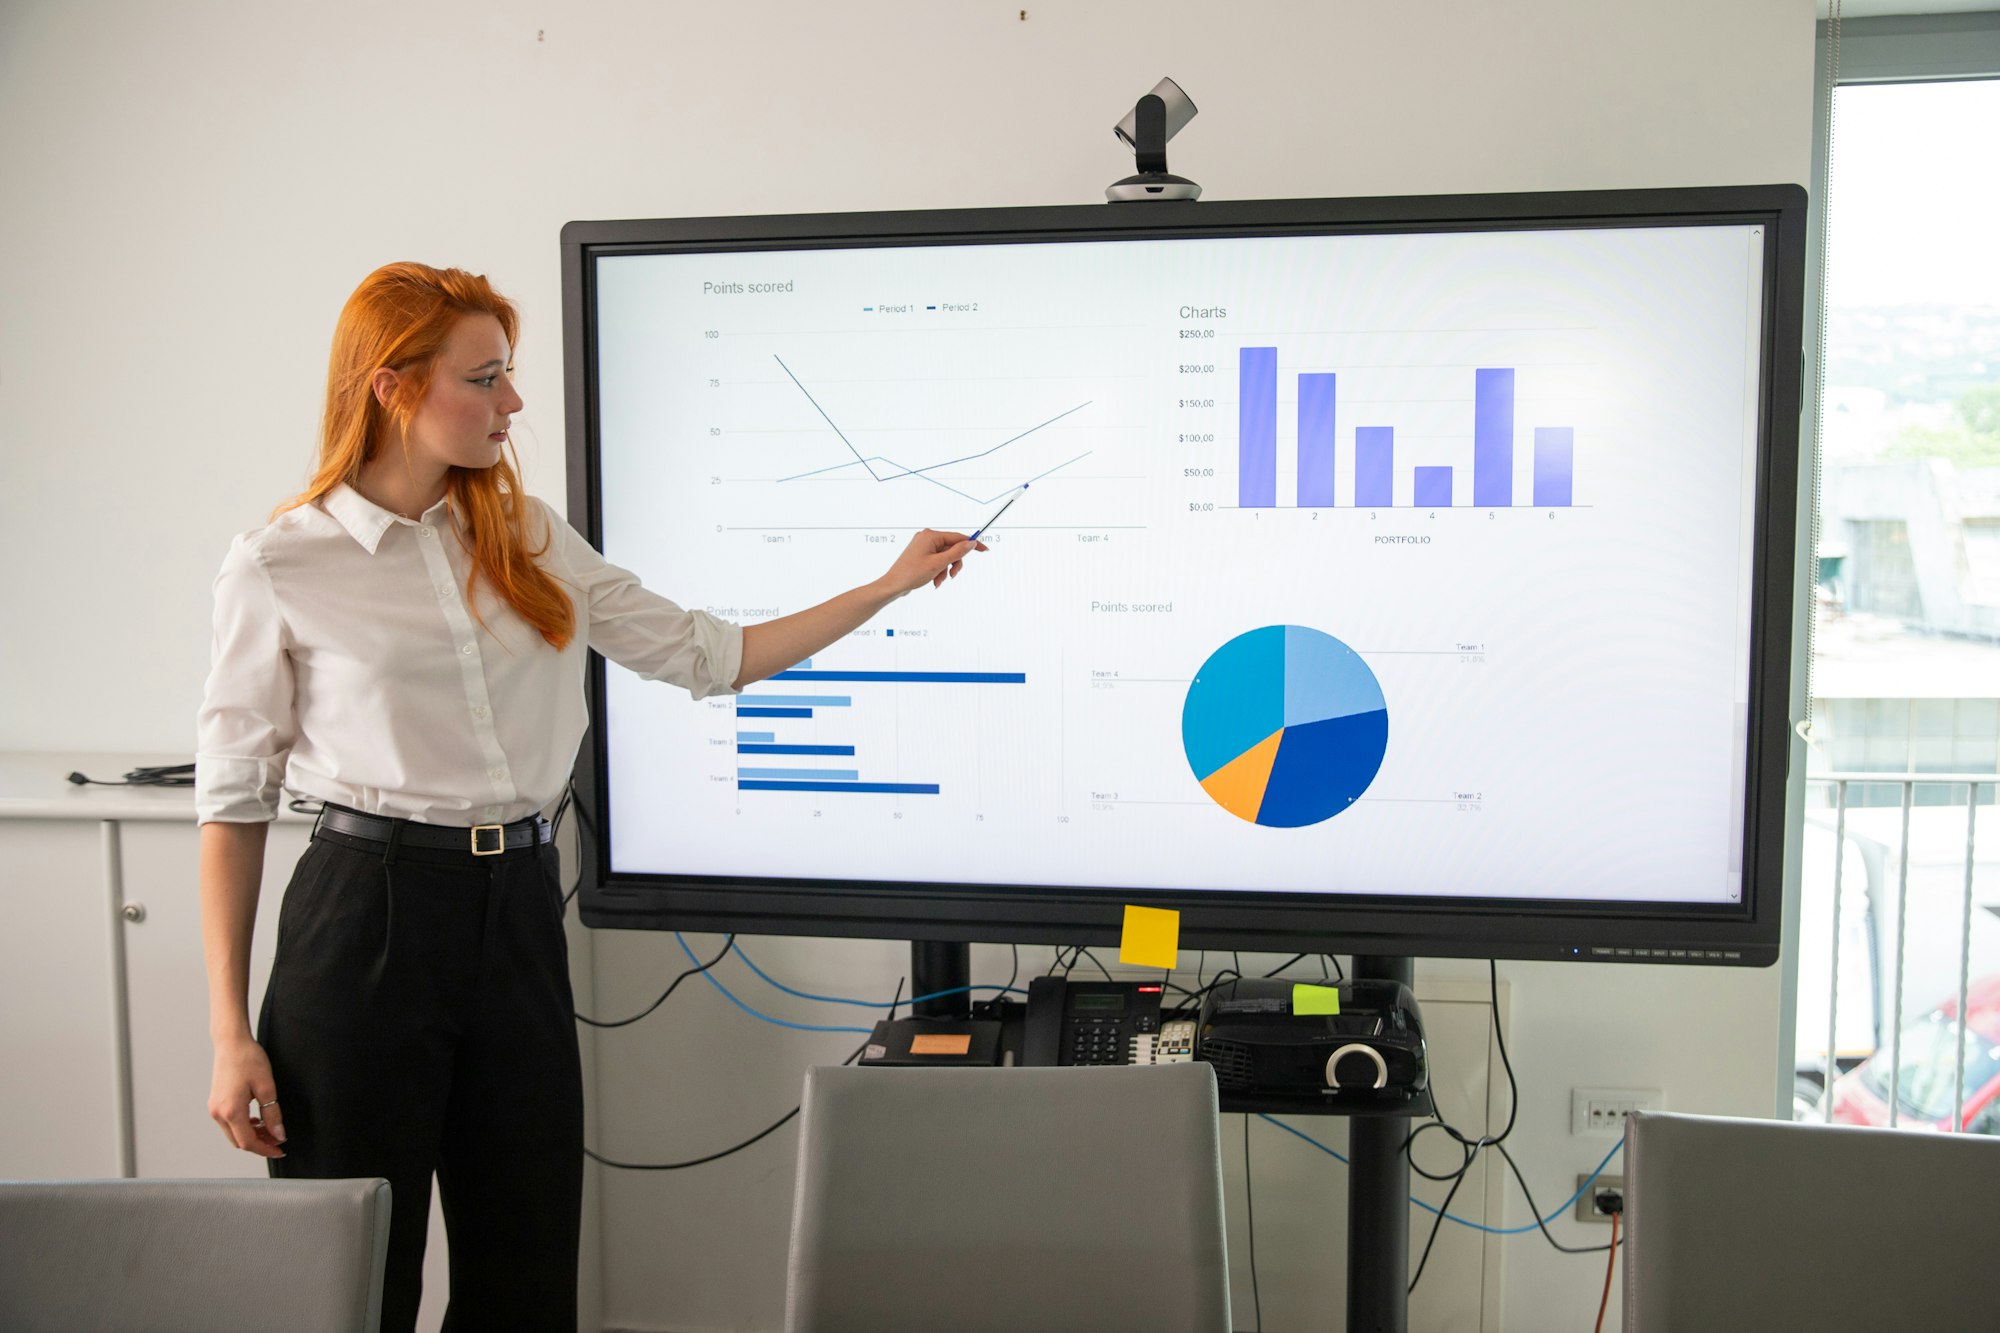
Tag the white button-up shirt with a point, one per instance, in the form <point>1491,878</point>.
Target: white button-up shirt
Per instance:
<point>349,667</point>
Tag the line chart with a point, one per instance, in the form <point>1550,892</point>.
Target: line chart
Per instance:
<point>868,462</point>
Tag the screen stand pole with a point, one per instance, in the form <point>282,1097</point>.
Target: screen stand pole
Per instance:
<point>1378,1199</point>
<point>939,967</point>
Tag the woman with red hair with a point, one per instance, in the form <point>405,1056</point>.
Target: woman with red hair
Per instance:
<point>405,642</point>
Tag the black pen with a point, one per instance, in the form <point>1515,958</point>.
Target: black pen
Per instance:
<point>996,517</point>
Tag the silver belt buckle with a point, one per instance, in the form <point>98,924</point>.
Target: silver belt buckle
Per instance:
<point>499,832</point>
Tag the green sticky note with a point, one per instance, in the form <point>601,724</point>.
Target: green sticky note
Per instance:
<point>1151,937</point>
<point>1315,999</point>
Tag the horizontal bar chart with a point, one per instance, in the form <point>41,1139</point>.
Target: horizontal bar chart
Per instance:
<point>803,707</point>
<point>882,788</point>
<point>801,774</point>
<point>912,677</point>
<point>795,749</point>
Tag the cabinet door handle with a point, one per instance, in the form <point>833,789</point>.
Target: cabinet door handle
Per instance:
<point>133,912</point>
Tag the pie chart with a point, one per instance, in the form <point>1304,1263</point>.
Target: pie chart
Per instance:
<point>1285,726</point>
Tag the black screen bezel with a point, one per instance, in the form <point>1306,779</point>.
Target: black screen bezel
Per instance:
<point>1745,933</point>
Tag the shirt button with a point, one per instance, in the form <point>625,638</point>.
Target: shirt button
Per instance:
<point>467,650</point>
<point>425,530</point>
<point>499,773</point>
<point>479,710</point>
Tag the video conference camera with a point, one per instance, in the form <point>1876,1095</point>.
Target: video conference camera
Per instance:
<point>1158,117</point>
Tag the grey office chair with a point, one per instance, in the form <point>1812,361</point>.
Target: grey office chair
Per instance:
<point>119,1256</point>
<point>1770,1225</point>
<point>979,1200</point>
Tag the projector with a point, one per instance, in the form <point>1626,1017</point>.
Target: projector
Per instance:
<point>1369,1050</point>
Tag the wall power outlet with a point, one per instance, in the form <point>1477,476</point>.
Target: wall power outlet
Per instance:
<point>1588,1207</point>
<point>1602,1111</point>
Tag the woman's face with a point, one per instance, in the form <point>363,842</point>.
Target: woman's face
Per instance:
<point>463,419</point>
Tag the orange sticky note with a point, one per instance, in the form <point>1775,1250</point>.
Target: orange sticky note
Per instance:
<point>1152,937</point>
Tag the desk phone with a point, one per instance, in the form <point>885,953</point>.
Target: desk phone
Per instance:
<point>1101,1023</point>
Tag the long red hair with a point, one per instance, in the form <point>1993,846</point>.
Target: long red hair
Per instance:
<point>399,317</point>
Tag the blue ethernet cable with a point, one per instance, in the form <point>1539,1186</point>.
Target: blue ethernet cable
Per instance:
<point>778,1022</point>
<point>864,1004</point>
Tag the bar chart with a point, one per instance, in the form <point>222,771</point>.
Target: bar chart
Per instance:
<point>1374,448</point>
<point>777,760</point>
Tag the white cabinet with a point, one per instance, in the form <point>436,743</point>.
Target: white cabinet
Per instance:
<point>60,1098</point>
<point>104,1053</point>
<point>105,1060</point>
<point>166,988</point>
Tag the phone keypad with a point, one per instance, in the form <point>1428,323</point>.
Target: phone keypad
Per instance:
<point>1097,1042</point>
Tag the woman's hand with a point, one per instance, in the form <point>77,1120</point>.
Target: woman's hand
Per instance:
<point>931,557</point>
<point>771,646</point>
<point>243,1075</point>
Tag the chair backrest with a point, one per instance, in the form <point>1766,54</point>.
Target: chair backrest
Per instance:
<point>990,1199</point>
<point>217,1255</point>
<point>1771,1225</point>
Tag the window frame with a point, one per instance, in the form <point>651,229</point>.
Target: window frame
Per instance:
<point>1902,48</point>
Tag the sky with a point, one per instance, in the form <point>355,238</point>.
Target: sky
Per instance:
<point>1914,204</point>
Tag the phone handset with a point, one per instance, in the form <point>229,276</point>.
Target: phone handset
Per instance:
<point>1101,1023</point>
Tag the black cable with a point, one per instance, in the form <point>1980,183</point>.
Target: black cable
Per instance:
<point>1100,965</point>
<point>995,1005</point>
<point>1535,1209</point>
<point>159,775</point>
<point>1195,997</point>
<point>1250,1222</point>
<point>1339,972</point>
<point>714,1156</point>
<point>1443,1208</point>
<point>1470,1148</point>
<point>562,808</point>
<point>584,825</point>
<point>693,1161</point>
<point>897,998</point>
<point>1295,958</point>
<point>693,971</point>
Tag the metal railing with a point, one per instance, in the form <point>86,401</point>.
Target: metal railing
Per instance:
<point>1909,782</point>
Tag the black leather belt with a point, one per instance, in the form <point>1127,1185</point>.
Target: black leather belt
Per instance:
<point>479,840</point>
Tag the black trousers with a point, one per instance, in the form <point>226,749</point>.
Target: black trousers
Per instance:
<point>419,1020</point>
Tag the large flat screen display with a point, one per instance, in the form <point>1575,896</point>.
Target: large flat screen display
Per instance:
<point>1413,574</point>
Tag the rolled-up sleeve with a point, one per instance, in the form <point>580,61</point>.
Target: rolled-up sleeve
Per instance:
<point>643,631</point>
<point>246,726</point>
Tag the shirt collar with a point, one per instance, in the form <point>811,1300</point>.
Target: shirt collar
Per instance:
<point>365,520</point>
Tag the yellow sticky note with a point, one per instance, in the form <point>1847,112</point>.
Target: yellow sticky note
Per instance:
<point>1315,999</point>
<point>1152,937</point>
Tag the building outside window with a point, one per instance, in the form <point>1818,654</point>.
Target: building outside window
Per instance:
<point>1905,675</point>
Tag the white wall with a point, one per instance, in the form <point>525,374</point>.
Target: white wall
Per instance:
<point>191,190</point>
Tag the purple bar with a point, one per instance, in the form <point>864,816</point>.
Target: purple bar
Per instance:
<point>1493,437</point>
<point>1374,455</point>
<point>1433,488</point>
<point>1316,450</point>
<point>1257,428</point>
<point>1555,459</point>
